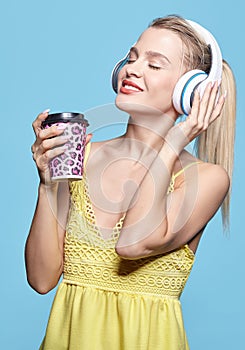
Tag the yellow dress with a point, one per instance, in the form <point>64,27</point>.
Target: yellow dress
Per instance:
<point>105,302</point>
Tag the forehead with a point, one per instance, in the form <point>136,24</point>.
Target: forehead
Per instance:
<point>161,40</point>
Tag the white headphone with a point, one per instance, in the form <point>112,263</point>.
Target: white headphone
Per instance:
<point>194,79</point>
<point>198,79</point>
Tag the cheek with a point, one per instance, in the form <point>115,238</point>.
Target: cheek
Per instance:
<point>164,87</point>
<point>162,93</point>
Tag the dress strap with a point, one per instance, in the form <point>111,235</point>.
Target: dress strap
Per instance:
<point>183,169</point>
<point>174,176</point>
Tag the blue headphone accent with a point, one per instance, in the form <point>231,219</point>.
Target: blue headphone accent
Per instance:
<point>185,88</point>
<point>114,78</point>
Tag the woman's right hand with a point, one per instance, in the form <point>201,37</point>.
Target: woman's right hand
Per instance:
<point>49,143</point>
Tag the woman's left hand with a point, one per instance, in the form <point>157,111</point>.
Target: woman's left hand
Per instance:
<point>204,112</point>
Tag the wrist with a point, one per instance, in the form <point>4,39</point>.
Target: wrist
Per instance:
<point>51,188</point>
<point>176,143</point>
<point>170,153</point>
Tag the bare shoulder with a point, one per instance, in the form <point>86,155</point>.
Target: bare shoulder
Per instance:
<point>95,146</point>
<point>215,173</point>
<point>212,178</point>
<point>207,170</point>
<point>100,154</point>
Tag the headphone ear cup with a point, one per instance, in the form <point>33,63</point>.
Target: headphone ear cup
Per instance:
<point>184,90</point>
<point>116,70</point>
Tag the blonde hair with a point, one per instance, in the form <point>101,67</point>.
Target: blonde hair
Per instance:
<point>216,144</point>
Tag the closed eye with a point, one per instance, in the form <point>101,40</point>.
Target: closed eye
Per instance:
<point>130,61</point>
<point>154,67</point>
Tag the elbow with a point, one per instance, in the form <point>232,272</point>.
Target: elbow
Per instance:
<point>152,245</point>
<point>42,287</point>
<point>42,279</point>
<point>41,290</point>
<point>144,238</point>
<point>132,252</point>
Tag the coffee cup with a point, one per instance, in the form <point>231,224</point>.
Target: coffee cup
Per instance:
<point>68,165</point>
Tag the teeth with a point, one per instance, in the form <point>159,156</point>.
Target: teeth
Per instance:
<point>131,87</point>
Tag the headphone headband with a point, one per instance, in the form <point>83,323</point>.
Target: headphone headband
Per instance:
<point>197,79</point>
<point>215,72</point>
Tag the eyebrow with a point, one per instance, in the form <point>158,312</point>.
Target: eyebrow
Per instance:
<point>152,54</point>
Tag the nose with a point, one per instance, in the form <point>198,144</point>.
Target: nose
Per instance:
<point>134,69</point>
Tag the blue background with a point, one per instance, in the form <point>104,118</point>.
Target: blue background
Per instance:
<point>59,54</point>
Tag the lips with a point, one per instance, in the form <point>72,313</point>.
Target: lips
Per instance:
<point>129,87</point>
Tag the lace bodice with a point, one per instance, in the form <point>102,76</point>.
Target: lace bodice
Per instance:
<point>90,260</point>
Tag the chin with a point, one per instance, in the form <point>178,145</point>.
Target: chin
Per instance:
<point>135,108</point>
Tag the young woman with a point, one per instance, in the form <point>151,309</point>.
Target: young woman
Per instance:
<point>124,237</point>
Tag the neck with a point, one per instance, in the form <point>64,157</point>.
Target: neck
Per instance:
<point>149,130</point>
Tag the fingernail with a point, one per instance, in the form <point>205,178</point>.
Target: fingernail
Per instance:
<point>61,126</point>
<point>225,93</point>
<point>64,148</point>
<point>46,111</point>
<point>214,84</point>
<point>64,138</point>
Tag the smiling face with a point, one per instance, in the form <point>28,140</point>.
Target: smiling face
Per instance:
<point>147,81</point>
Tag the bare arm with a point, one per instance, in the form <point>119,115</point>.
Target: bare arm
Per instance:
<point>44,246</point>
<point>155,223</point>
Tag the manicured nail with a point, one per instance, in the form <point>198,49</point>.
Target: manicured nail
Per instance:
<point>61,126</point>
<point>46,111</point>
<point>64,148</point>
<point>64,138</point>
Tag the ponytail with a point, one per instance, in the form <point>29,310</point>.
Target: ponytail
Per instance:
<point>216,144</point>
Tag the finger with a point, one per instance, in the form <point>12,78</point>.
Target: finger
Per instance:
<point>218,108</point>
<point>204,104</point>
<point>211,105</point>
<point>49,144</point>
<point>43,160</point>
<point>52,131</point>
<point>38,121</point>
<point>50,154</point>
<point>195,106</point>
<point>189,125</point>
<point>33,148</point>
<point>44,134</point>
<point>88,138</point>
